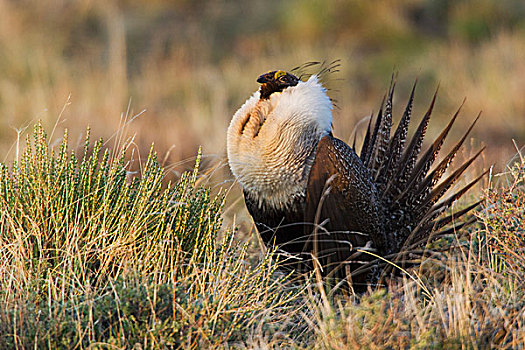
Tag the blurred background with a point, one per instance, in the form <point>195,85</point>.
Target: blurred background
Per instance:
<point>180,69</point>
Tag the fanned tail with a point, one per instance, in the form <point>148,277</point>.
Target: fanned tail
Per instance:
<point>408,183</point>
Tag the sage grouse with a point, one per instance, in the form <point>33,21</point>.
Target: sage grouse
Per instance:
<point>313,197</point>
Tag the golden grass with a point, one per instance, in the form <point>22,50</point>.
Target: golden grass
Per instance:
<point>190,67</point>
<point>93,255</point>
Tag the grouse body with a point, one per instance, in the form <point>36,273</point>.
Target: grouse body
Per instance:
<point>319,202</point>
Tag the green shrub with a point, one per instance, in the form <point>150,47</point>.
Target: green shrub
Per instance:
<point>93,256</point>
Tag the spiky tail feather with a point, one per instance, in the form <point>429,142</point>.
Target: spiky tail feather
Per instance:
<point>410,192</point>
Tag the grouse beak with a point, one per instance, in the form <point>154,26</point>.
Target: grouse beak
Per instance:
<point>265,78</point>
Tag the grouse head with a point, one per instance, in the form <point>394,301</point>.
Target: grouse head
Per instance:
<point>276,81</point>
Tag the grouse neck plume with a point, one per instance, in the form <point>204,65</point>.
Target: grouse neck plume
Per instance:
<point>313,197</point>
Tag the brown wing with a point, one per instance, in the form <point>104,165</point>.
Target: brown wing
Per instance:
<point>342,204</point>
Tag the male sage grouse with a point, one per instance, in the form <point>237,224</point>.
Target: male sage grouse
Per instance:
<point>314,198</point>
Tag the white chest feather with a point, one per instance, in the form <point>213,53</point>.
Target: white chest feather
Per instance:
<point>271,143</point>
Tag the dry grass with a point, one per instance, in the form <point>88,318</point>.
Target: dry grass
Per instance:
<point>91,258</point>
<point>95,256</point>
